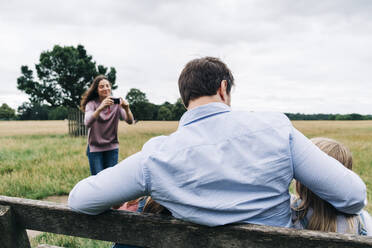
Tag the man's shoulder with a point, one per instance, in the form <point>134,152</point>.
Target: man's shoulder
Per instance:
<point>235,123</point>
<point>154,144</point>
<point>269,118</point>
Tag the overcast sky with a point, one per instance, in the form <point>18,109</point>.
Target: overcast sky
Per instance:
<point>286,55</point>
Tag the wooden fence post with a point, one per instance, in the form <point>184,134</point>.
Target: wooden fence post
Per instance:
<point>12,235</point>
<point>76,125</point>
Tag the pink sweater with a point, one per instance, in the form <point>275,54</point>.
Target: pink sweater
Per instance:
<point>103,131</point>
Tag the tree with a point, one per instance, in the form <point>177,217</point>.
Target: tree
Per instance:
<point>140,106</point>
<point>58,113</point>
<point>6,112</point>
<point>36,111</point>
<point>355,116</point>
<point>178,110</point>
<point>33,111</point>
<point>135,96</point>
<point>164,114</point>
<point>147,111</point>
<point>64,74</point>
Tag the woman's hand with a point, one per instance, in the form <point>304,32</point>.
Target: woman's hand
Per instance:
<point>129,116</point>
<point>124,103</point>
<point>105,103</point>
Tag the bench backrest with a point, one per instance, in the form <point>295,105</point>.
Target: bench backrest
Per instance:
<point>149,230</point>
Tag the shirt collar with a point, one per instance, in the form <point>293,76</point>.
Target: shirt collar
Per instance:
<point>202,112</point>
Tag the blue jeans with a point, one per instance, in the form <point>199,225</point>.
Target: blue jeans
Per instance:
<point>99,161</point>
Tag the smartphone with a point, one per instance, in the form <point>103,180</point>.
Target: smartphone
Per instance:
<point>116,100</point>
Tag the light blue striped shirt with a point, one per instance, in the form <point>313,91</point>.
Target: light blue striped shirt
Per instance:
<point>222,167</point>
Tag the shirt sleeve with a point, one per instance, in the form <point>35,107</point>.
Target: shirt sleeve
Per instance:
<point>88,117</point>
<point>123,115</point>
<point>326,177</point>
<point>113,186</point>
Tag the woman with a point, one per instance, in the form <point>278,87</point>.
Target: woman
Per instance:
<point>102,118</point>
<point>311,212</point>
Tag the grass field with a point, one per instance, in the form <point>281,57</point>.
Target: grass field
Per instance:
<point>38,158</point>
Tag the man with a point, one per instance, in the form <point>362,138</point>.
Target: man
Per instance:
<point>222,166</point>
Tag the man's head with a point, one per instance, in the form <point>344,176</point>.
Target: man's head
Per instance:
<point>206,76</point>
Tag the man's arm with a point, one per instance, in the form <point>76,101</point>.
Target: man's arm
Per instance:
<point>326,177</point>
<point>113,186</point>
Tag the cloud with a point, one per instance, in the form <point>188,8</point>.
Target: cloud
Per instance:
<point>290,56</point>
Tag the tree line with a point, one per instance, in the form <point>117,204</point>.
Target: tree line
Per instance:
<point>141,107</point>
<point>337,117</point>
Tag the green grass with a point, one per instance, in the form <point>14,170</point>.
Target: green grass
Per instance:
<point>38,160</point>
<point>68,242</point>
<point>37,166</point>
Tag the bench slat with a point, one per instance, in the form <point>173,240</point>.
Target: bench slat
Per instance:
<point>151,230</point>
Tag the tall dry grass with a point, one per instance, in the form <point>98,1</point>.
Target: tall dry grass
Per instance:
<point>39,159</point>
<point>16,128</point>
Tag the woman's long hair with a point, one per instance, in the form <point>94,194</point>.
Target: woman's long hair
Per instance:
<point>152,206</point>
<point>92,92</point>
<point>324,217</point>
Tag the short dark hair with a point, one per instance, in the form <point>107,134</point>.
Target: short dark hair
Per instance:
<point>203,77</point>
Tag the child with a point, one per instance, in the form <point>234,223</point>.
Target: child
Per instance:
<point>311,212</point>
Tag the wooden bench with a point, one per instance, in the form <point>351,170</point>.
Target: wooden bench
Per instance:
<point>148,230</point>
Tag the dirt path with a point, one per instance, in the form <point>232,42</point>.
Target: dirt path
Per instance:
<point>58,199</point>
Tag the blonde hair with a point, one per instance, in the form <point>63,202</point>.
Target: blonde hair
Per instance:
<point>336,150</point>
<point>324,217</point>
